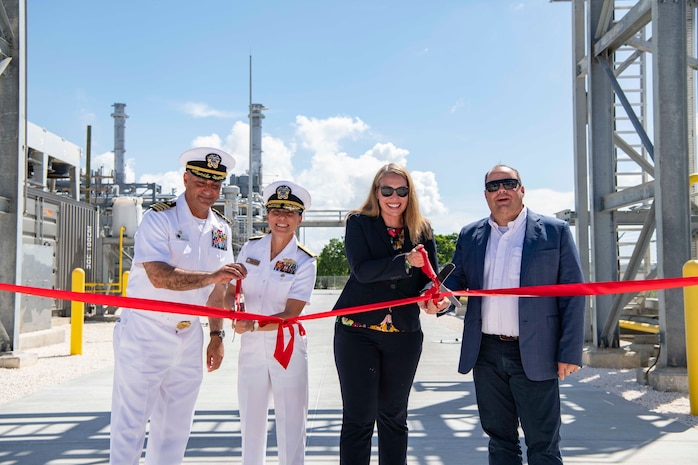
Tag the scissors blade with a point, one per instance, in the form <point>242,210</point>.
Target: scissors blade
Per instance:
<point>442,276</point>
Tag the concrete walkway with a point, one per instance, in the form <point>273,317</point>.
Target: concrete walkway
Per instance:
<point>69,424</point>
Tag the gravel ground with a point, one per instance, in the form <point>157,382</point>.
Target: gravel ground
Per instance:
<point>623,383</point>
<point>55,366</point>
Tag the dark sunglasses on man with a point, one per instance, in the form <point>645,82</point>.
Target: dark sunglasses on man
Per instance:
<point>509,184</point>
<point>387,191</point>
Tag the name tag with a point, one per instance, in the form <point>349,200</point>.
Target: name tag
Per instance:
<point>252,261</point>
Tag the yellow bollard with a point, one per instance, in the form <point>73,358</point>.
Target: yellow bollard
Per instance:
<point>124,283</point>
<point>692,179</point>
<point>77,313</point>
<point>690,304</point>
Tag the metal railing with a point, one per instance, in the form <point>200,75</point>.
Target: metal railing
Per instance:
<point>331,282</point>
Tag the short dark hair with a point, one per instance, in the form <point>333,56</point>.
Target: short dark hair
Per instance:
<point>518,176</point>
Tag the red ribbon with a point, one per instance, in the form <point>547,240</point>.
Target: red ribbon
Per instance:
<point>283,351</point>
<point>283,354</point>
<point>427,269</point>
<point>238,291</point>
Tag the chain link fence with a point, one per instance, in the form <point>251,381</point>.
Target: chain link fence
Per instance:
<point>331,282</point>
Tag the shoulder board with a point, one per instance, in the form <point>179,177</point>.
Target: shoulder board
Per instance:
<point>256,238</point>
<point>306,250</point>
<point>161,206</point>
<point>223,217</point>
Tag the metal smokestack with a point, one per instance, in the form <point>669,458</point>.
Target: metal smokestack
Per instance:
<point>256,117</point>
<point>119,116</point>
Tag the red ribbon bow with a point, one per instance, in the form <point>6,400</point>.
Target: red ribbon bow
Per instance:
<point>283,354</point>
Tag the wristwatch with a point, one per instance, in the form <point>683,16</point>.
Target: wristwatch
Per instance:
<point>255,325</point>
<point>220,333</point>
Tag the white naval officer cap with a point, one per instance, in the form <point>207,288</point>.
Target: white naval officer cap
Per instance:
<point>207,162</point>
<point>286,195</point>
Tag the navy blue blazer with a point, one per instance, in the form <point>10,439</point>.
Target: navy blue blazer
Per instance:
<point>551,329</point>
<point>378,274</point>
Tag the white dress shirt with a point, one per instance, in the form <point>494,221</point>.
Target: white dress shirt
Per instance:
<point>500,315</point>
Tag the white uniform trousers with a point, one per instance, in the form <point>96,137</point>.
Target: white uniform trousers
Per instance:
<point>158,371</point>
<point>260,379</point>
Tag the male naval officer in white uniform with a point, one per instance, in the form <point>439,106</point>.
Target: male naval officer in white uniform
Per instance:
<point>183,251</point>
<point>280,280</point>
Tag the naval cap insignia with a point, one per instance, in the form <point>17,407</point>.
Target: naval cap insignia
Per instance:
<point>282,192</point>
<point>213,160</point>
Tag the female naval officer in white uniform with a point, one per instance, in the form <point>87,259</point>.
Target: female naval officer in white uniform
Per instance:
<point>280,280</point>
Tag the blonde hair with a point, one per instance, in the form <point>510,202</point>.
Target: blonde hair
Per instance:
<point>416,224</point>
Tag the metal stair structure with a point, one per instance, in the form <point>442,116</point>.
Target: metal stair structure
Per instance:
<point>634,140</point>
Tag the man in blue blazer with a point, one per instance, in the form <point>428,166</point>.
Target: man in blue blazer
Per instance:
<point>518,347</point>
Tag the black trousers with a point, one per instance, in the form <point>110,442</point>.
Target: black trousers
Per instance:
<point>376,371</point>
<point>506,396</point>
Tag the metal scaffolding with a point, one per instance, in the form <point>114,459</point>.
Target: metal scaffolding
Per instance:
<point>634,131</point>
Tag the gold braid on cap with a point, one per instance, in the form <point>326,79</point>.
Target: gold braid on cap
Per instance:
<point>285,199</point>
<point>204,172</point>
<point>209,168</point>
<point>285,205</point>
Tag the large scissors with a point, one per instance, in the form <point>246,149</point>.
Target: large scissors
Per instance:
<point>440,278</point>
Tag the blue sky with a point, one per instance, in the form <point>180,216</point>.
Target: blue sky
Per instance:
<point>448,88</point>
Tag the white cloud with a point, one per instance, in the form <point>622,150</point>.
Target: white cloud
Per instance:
<point>339,180</point>
<point>428,193</point>
<point>169,181</point>
<point>276,159</point>
<point>237,143</point>
<point>212,140</point>
<point>130,170</point>
<point>323,135</point>
<point>336,179</point>
<point>202,110</point>
<point>548,201</point>
<point>105,161</point>
<point>276,156</point>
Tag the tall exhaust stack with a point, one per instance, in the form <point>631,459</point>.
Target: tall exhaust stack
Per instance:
<point>119,116</point>
<point>255,156</point>
<point>256,116</point>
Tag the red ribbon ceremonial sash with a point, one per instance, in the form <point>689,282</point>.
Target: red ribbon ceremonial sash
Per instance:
<point>283,351</point>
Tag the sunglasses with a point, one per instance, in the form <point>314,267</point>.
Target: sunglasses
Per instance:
<point>387,191</point>
<point>509,184</point>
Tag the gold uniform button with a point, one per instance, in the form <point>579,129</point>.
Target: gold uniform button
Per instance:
<point>183,324</point>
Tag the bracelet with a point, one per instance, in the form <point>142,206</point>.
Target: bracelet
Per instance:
<point>408,266</point>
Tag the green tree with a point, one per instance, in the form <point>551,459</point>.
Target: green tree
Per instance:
<point>333,259</point>
<point>445,246</point>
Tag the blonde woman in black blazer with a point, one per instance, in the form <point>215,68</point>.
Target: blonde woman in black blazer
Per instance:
<point>377,352</point>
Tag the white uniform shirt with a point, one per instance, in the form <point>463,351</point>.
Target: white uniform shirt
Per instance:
<point>270,282</point>
<point>500,315</point>
<point>177,237</point>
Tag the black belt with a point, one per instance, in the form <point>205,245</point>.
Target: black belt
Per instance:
<point>502,337</point>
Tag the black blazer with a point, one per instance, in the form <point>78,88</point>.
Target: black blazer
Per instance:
<point>378,274</point>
